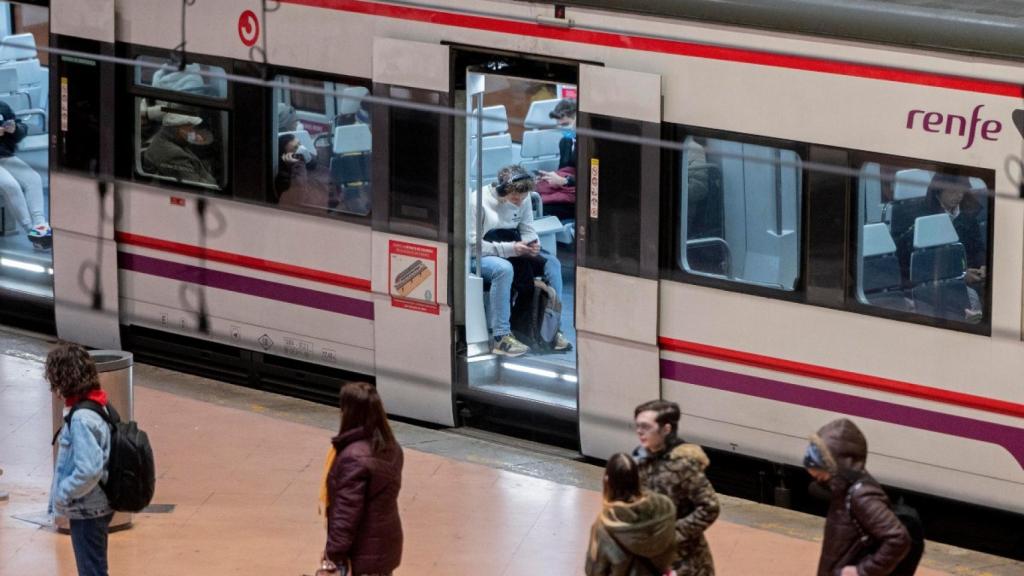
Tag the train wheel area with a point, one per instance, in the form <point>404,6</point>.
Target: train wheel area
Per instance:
<point>239,469</point>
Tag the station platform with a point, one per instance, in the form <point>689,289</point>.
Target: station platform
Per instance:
<point>238,473</point>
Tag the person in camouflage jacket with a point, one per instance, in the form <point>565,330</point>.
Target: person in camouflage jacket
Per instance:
<point>674,468</point>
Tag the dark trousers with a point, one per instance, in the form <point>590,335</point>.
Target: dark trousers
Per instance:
<point>89,539</point>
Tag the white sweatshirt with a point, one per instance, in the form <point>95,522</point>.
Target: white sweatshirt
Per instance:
<point>498,214</point>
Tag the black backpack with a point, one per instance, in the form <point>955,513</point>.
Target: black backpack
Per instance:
<point>911,520</point>
<point>536,316</point>
<point>131,471</point>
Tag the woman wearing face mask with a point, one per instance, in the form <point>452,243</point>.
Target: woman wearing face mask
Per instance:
<point>565,115</point>
<point>674,468</point>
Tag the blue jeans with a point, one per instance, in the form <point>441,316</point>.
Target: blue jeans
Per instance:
<point>89,539</point>
<point>498,271</point>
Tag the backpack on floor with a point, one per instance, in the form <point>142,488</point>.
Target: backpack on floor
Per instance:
<point>537,316</point>
<point>131,470</point>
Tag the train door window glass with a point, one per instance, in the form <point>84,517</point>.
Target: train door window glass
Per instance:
<point>612,240</point>
<point>195,79</point>
<point>323,147</point>
<point>740,212</point>
<point>181,143</point>
<point>414,159</point>
<point>922,240</point>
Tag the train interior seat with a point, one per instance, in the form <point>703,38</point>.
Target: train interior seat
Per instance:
<point>498,148</point>
<point>11,92</point>
<point>350,165</point>
<point>19,53</point>
<point>909,192</point>
<point>937,268</point>
<point>880,279</point>
<point>540,149</point>
<point>538,116</point>
<point>870,189</point>
<point>982,195</point>
<point>348,105</point>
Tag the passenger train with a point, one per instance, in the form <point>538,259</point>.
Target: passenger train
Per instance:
<point>782,215</point>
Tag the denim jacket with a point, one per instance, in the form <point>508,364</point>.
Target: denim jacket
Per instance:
<point>82,455</point>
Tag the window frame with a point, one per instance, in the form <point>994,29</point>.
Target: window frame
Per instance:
<point>857,160</point>
<point>270,149</point>
<point>671,261</point>
<point>671,229</point>
<point>132,91</point>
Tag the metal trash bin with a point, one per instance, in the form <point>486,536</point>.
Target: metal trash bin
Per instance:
<point>115,372</point>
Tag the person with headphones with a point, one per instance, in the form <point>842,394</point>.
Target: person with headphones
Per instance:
<point>507,232</point>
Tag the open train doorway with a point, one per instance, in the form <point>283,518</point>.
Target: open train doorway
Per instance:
<point>516,245</point>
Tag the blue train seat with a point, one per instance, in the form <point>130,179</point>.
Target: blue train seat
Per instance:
<point>880,281</point>
<point>937,267</point>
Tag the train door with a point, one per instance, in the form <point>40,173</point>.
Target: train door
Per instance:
<point>412,313</point>
<point>515,246</point>
<point>617,227</point>
<point>81,186</point>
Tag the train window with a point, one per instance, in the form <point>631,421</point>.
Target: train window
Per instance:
<point>196,79</point>
<point>323,149</point>
<point>740,214</point>
<point>922,240</point>
<point>414,159</point>
<point>181,143</point>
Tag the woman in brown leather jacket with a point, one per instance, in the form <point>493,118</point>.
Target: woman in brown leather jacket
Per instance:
<point>863,537</point>
<point>363,525</point>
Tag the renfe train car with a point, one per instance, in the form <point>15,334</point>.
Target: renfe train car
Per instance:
<point>830,228</point>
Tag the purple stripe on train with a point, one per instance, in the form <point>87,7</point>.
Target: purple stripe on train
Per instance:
<point>246,285</point>
<point>1009,437</point>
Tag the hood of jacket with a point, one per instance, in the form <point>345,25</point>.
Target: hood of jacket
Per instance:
<point>644,527</point>
<point>843,447</point>
<point>677,449</point>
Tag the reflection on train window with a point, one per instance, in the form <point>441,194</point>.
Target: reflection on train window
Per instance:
<point>414,163</point>
<point>923,241</point>
<point>196,79</point>
<point>181,143</point>
<point>323,147</point>
<point>740,220</point>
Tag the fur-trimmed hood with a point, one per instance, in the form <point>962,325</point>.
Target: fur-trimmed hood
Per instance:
<point>842,445</point>
<point>678,450</point>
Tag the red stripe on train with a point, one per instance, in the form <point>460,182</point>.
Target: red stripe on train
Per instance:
<point>844,377</point>
<point>677,47</point>
<point>244,261</point>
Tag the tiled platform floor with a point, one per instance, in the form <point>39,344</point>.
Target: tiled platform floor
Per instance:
<point>241,469</point>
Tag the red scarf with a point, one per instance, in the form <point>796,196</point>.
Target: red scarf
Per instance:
<point>97,395</point>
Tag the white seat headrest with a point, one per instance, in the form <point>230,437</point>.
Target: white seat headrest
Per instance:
<point>911,183</point>
<point>495,120</point>
<point>18,47</point>
<point>934,230</point>
<point>349,100</point>
<point>877,240</point>
<point>540,143</point>
<point>352,138</point>
<point>494,160</point>
<point>538,115</point>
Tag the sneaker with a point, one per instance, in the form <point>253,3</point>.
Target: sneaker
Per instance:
<point>560,343</point>
<point>41,236</point>
<point>507,345</point>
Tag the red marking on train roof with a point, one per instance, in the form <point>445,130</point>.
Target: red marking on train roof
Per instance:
<point>341,280</point>
<point>844,377</point>
<point>665,46</point>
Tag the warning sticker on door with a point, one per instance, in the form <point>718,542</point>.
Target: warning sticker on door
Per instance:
<point>412,276</point>
<point>595,181</point>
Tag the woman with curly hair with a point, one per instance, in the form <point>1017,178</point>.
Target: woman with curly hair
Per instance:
<point>82,455</point>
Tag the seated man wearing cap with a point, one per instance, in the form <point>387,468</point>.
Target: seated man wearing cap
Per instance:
<point>169,153</point>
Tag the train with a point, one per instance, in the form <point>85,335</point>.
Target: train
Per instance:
<point>761,228</point>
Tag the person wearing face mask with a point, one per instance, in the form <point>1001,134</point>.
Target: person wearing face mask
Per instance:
<point>508,232</point>
<point>170,151</point>
<point>564,114</point>
<point>670,466</point>
<point>863,536</point>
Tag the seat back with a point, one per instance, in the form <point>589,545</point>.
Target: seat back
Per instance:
<point>911,183</point>
<point>494,159</point>
<point>350,99</point>
<point>880,279</point>
<point>495,121</point>
<point>351,163</point>
<point>937,267</point>
<point>540,150</point>
<point>538,116</point>
<point>18,47</point>
<point>10,93</point>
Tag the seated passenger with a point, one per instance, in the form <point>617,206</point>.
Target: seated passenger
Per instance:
<point>508,212</point>
<point>170,151</point>
<point>949,193</point>
<point>293,184</point>
<point>558,189</point>
<point>21,185</point>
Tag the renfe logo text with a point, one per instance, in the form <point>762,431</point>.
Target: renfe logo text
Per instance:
<point>939,123</point>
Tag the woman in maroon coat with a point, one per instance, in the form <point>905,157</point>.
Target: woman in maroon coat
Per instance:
<point>363,525</point>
